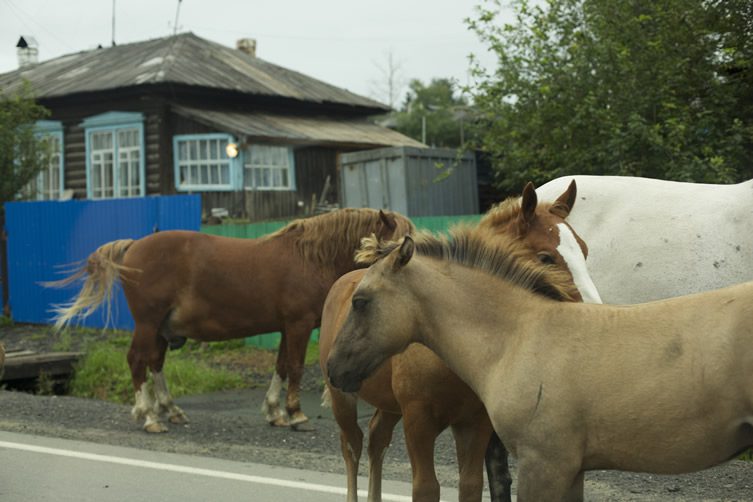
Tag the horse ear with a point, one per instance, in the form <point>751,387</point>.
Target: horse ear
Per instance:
<point>528,203</point>
<point>388,221</point>
<point>405,253</point>
<point>565,202</point>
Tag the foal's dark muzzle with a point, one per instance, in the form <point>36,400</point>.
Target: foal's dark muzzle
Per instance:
<point>346,381</point>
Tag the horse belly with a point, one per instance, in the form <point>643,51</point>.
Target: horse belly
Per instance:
<point>210,323</point>
<point>669,449</point>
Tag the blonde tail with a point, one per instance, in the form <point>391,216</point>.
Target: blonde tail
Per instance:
<point>103,268</point>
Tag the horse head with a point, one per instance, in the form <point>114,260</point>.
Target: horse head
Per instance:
<point>380,322</point>
<point>544,229</point>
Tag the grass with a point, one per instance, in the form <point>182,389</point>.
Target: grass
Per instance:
<point>196,368</point>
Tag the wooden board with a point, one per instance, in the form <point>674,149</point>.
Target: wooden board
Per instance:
<point>25,364</point>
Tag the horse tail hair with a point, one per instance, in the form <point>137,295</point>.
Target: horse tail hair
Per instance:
<point>102,269</point>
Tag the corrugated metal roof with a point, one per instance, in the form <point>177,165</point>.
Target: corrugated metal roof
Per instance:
<point>184,59</point>
<point>299,129</point>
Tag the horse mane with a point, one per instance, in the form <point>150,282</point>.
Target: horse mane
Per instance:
<point>496,254</point>
<point>333,237</point>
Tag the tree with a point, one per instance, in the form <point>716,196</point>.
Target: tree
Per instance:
<point>433,114</point>
<point>22,156</point>
<point>660,89</point>
<point>391,82</point>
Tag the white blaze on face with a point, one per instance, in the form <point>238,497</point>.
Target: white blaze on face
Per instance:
<point>576,262</point>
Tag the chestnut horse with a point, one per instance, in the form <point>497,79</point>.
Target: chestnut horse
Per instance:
<point>183,284</point>
<point>661,387</point>
<point>418,387</point>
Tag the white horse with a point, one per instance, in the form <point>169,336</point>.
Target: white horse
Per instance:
<point>651,239</point>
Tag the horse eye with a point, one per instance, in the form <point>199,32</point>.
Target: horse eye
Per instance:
<point>359,303</point>
<point>546,258</point>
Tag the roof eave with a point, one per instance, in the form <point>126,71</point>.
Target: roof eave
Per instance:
<point>178,90</point>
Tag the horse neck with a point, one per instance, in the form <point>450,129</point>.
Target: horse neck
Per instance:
<point>473,321</point>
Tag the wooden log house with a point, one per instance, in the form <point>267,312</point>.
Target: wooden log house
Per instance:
<point>168,115</point>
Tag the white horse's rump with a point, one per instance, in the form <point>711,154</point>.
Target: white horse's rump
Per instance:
<point>650,239</point>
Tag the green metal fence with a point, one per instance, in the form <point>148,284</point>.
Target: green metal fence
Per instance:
<point>256,230</point>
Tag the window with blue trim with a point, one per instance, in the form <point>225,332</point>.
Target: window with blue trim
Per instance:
<point>202,163</point>
<point>48,184</point>
<point>269,167</point>
<point>115,160</point>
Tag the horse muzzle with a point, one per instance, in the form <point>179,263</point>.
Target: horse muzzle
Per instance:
<point>346,381</point>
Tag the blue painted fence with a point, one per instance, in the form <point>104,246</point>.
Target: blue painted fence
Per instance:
<point>47,239</point>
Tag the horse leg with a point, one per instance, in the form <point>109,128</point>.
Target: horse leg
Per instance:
<point>498,470</point>
<point>471,440</point>
<point>380,434</point>
<point>345,410</point>
<point>544,476</point>
<point>165,402</point>
<point>144,353</point>
<point>576,490</point>
<point>297,336</point>
<point>421,431</point>
<point>271,405</point>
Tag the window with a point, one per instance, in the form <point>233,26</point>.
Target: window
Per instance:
<point>201,162</point>
<point>269,167</point>
<point>48,184</point>
<point>114,155</point>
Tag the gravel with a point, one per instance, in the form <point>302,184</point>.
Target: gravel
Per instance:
<point>229,425</point>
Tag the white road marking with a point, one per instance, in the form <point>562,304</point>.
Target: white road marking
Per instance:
<point>193,470</point>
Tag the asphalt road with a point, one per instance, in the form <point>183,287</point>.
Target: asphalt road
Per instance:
<point>50,469</point>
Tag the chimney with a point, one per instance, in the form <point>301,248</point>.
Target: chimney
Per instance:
<point>28,51</point>
<point>247,45</point>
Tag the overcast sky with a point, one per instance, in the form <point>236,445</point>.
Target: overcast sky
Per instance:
<point>342,42</point>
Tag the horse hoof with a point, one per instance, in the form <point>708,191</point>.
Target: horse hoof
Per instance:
<point>299,422</point>
<point>178,419</point>
<point>155,427</point>
<point>280,421</point>
<point>304,426</point>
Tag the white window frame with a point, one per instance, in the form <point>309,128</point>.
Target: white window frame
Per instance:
<point>124,166</point>
<point>210,167</point>
<point>249,170</point>
<point>41,187</point>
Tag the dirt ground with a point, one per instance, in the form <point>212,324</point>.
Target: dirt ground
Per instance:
<point>230,425</point>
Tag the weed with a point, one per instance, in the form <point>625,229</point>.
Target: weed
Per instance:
<point>312,353</point>
<point>64,342</point>
<point>45,384</point>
